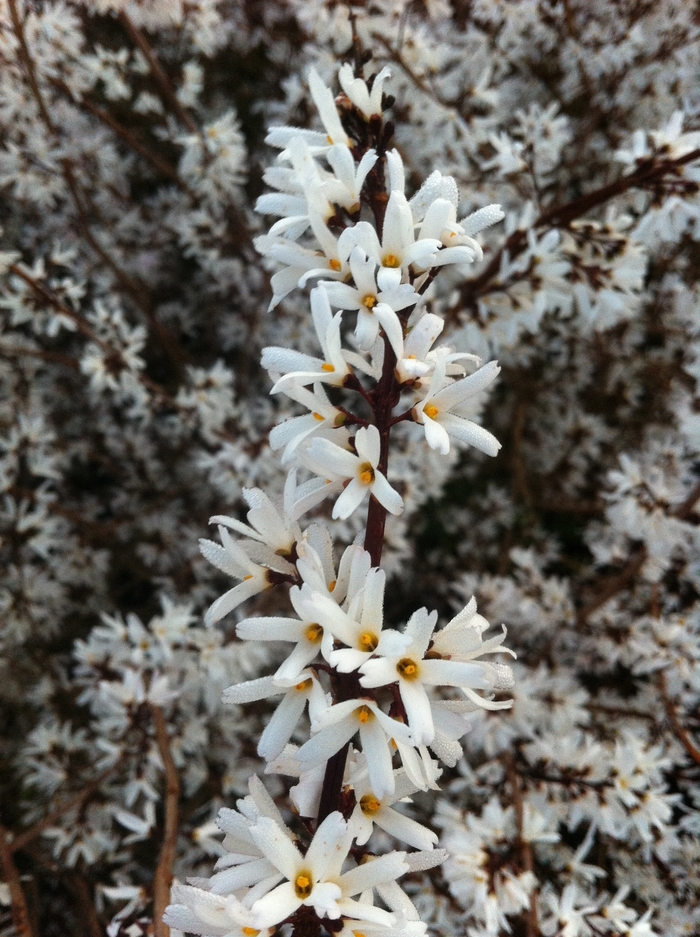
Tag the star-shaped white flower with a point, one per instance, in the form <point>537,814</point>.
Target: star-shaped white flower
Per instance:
<point>435,411</point>
<point>413,671</point>
<point>324,457</point>
<point>375,306</point>
<point>315,880</point>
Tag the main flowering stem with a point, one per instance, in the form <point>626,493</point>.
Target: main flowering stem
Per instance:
<point>383,398</point>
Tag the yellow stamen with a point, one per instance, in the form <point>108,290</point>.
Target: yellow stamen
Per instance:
<point>391,260</point>
<point>303,885</point>
<point>329,140</point>
<point>366,473</point>
<point>368,641</point>
<point>327,367</point>
<point>246,578</point>
<point>407,668</point>
<point>369,302</point>
<point>314,633</point>
<point>431,411</point>
<point>250,931</point>
<point>335,264</point>
<point>369,805</point>
<point>304,685</point>
<point>332,585</point>
<point>364,714</point>
<point>317,416</point>
<point>358,933</point>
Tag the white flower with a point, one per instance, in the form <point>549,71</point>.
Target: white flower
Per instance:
<point>344,720</point>
<point>315,880</point>
<point>269,525</point>
<point>323,457</point>
<point>371,810</point>
<point>304,369</point>
<point>309,635</point>
<point>232,559</point>
<point>323,417</point>
<point>369,103</point>
<point>398,248</point>
<point>374,306</point>
<point>413,671</point>
<point>279,729</point>
<point>318,142</point>
<point>435,414</point>
<point>360,628</point>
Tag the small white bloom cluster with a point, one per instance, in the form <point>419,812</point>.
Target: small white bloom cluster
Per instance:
<point>372,692</point>
<point>133,408</point>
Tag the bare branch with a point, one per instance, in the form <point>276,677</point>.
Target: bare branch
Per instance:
<point>164,870</point>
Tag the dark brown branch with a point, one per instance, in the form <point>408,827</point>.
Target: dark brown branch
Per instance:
<point>161,79</point>
<point>20,911</point>
<point>73,803</point>
<point>527,862</point>
<point>164,871</point>
<point>679,729</point>
<point>562,215</point>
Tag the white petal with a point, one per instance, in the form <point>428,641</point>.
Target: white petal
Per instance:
<point>436,435</point>
<point>386,495</point>
<point>472,434</point>
<point>279,729</point>
<point>350,499</point>
<point>375,747</point>
<point>403,828</point>
<point>276,846</point>
<point>274,907</point>
<point>417,705</point>
<point>391,324</point>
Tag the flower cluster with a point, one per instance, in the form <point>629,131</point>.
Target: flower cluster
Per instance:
<point>342,650</point>
<point>373,693</point>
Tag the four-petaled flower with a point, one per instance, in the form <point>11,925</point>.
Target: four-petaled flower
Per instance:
<point>362,470</point>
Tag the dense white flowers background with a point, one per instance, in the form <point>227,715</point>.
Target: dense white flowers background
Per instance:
<point>149,688</point>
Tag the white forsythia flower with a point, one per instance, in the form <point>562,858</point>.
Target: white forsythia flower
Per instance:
<point>377,730</point>
<point>369,103</point>
<point>314,880</point>
<point>413,671</point>
<point>435,410</point>
<point>376,306</point>
<point>371,810</point>
<point>324,457</point>
<point>305,369</point>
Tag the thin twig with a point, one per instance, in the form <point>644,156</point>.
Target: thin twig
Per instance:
<point>20,911</point>
<point>161,79</point>
<point>681,732</point>
<point>164,871</point>
<point>527,861</point>
<point>26,837</point>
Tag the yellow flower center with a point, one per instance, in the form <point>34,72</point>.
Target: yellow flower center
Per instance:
<point>250,931</point>
<point>317,416</point>
<point>431,411</point>
<point>368,641</point>
<point>364,714</point>
<point>335,264</point>
<point>303,885</point>
<point>328,368</point>
<point>304,685</point>
<point>332,585</point>
<point>246,578</point>
<point>369,302</point>
<point>366,473</point>
<point>407,668</point>
<point>314,633</point>
<point>391,260</point>
<point>369,805</point>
